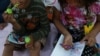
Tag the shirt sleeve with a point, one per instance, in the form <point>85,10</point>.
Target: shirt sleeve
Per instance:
<point>44,29</point>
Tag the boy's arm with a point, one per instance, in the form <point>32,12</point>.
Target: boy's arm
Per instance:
<point>16,26</point>
<point>18,29</point>
<point>9,17</point>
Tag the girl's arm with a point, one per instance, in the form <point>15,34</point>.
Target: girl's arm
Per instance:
<point>67,42</point>
<point>57,22</point>
<point>90,38</point>
<point>96,28</point>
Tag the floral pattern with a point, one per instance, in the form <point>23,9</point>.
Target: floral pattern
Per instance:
<point>75,18</point>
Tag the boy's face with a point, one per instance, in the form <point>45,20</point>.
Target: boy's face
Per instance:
<point>22,3</point>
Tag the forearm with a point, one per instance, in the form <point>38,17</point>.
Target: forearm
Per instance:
<point>60,27</point>
<point>16,26</point>
<point>96,29</point>
<point>57,22</point>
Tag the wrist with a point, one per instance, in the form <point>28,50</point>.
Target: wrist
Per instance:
<point>67,34</point>
<point>16,25</point>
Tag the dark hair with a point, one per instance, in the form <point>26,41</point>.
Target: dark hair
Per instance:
<point>86,3</point>
<point>89,2</point>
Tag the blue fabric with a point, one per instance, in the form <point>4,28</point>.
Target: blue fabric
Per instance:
<point>15,39</point>
<point>3,5</point>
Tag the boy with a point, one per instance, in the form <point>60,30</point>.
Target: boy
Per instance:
<point>29,19</point>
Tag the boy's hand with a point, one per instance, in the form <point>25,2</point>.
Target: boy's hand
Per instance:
<point>30,43</point>
<point>90,39</point>
<point>67,42</point>
<point>8,18</point>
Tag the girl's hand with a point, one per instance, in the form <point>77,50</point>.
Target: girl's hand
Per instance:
<point>90,39</point>
<point>67,42</point>
<point>8,18</point>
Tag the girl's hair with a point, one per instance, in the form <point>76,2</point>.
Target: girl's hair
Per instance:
<point>89,2</point>
<point>86,3</point>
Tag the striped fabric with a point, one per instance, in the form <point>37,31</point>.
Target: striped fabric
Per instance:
<point>33,20</point>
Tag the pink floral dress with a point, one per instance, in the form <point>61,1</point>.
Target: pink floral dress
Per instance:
<point>74,19</point>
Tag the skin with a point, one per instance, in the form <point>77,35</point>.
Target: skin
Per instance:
<point>22,3</point>
<point>62,29</point>
<point>91,40</point>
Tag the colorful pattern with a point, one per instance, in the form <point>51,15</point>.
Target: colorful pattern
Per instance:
<point>78,24</point>
<point>95,8</point>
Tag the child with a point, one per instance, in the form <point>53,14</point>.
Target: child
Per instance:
<point>76,16</point>
<point>29,20</point>
<point>5,3</point>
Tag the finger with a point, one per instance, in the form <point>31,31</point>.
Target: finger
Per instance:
<point>26,45</point>
<point>9,17</point>
<point>67,45</point>
<point>91,42</point>
<point>5,16</point>
<point>84,39</point>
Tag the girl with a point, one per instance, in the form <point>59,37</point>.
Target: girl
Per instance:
<point>29,20</point>
<point>80,22</point>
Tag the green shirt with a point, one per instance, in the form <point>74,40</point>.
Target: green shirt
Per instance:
<point>33,20</point>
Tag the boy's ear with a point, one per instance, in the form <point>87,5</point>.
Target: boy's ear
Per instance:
<point>52,13</point>
<point>49,10</point>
